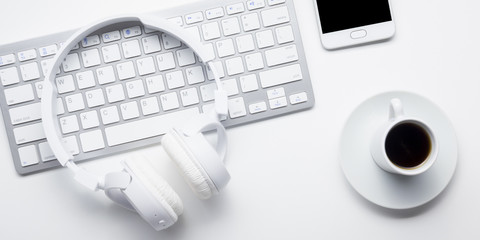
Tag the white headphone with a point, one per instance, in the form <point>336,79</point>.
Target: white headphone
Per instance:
<point>138,187</point>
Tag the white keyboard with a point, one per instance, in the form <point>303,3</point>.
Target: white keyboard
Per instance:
<point>124,86</point>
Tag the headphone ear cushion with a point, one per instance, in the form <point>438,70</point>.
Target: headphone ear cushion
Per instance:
<point>178,152</point>
<point>156,185</point>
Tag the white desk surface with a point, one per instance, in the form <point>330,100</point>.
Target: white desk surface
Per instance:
<point>287,182</point>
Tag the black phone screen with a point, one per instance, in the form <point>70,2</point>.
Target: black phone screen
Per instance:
<point>337,15</point>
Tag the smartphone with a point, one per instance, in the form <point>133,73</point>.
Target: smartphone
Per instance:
<point>345,23</point>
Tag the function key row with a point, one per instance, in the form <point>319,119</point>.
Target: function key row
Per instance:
<point>219,12</point>
<point>28,55</point>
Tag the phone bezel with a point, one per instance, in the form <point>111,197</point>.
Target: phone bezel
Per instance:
<point>342,39</point>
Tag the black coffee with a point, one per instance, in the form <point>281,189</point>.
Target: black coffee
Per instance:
<point>408,145</point>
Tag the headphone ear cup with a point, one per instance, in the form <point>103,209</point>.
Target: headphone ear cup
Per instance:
<point>179,153</point>
<point>154,186</point>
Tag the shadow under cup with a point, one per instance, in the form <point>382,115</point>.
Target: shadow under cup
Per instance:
<point>409,145</point>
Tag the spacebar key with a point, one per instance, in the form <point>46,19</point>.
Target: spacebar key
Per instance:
<point>146,128</point>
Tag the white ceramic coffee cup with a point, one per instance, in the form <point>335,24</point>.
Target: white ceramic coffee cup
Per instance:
<point>377,146</point>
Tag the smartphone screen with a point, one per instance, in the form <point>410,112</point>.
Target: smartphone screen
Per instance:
<point>337,15</point>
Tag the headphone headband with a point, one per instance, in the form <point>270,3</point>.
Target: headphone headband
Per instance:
<point>49,107</point>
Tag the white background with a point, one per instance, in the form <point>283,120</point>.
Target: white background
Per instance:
<point>287,182</point>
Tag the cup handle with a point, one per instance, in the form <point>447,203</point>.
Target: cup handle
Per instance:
<point>396,109</point>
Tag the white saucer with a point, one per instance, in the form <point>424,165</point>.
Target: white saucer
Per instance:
<point>386,189</point>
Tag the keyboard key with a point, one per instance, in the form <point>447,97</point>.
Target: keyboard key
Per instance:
<point>208,91</point>
<point>236,108</point>
<point>211,31</point>
<point>280,76</point>
<point>132,31</point>
<point>175,79</point>
<point>72,144</point>
<point>185,57</point>
<point>92,141</point>
<point>155,84</point>
<point>255,4</point>
<point>30,71</point>
<point>275,2</point>
<point>129,110</point>
<point>248,83</point>
<point>234,66</point>
<point>257,107</point>
<point>27,55</point>
<point>194,18</point>
<point>131,49</point>
<point>219,67</point>
<point>265,39</point>
<point>69,124</point>
<point>284,34</point>
<point>111,36</point>
<point>278,103</point>
<point>149,106</point>
<point>46,153</point>
<point>225,48</point>
<point>146,128</point>
<point>19,94</point>
<point>48,50</point>
<point>230,26</point>
<point>145,66</point>
<point>281,55</point>
<point>230,86</point>
<point>135,89</point>
<point>25,113</point>
<point>169,101</point>
<point>250,22</point>
<point>245,43</point>
<point>209,48</point>
<point>235,8</point>
<point>85,80</point>
<point>170,42</point>
<point>194,32</point>
<point>189,97</point>
<point>177,20</point>
<point>298,98</point>
<point>71,63</point>
<point>91,58</point>
<point>91,41</point>
<point>214,13</point>
<point>9,76</point>
<point>28,155</point>
<point>106,75</point>
<point>111,53</point>
<point>109,115</point>
<point>28,133</point>
<point>275,16</point>
<point>151,44</point>
<point>7,59</point>
<point>75,102</point>
<point>254,62</point>
<point>206,108</point>
<point>46,66</point>
<point>125,70</point>
<point>194,75</point>
<point>95,98</point>
<point>115,93</point>
<point>165,61</point>
<point>276,93</point>
<point>65,84</point>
